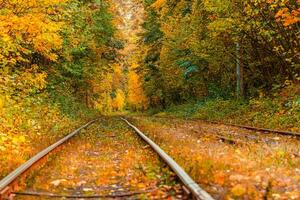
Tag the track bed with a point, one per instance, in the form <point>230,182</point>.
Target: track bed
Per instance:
<point>230,162</point>
<point>107,160</point>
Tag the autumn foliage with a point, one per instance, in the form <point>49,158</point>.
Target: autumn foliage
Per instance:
<point>46,71</point>
<point>29,27</point>
<point>191,48</point>
<point>287,15</point>
<point>64,61</point>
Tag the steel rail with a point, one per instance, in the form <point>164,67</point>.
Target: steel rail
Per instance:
<point>47,194</point>
<point>192,186</point>
<point>10,178</point>
<point>287,133</point>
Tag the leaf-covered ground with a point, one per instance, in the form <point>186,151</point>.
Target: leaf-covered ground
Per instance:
<point>229,162</point>
<point>26,136</point>
<point>105,159</point>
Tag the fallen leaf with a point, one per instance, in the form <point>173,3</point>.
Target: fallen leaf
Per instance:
<point>57,182</point>
<point>238,190</point>
<point>81,183</point>
<point>237,177</point>
<point>87,189</point>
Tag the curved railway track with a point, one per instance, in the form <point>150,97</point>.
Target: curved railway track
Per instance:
<point>8,185</point>
<point>265,130</point>
<point>287,133</point>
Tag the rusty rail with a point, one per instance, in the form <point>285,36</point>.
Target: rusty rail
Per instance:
<point>287,133</point>
<point>5,190</point>
<point>197,192</point>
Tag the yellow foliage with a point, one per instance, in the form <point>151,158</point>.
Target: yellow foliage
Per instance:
<point>119,102</point>
<point>238,190</point>
<point>1,103</point>
<point>158,4</point>
<point>136,97</point>
<point>27,27</point>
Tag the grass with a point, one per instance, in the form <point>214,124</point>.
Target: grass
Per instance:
<point>279,112</point>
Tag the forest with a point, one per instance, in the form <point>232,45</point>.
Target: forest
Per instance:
<point>63,62</point>
<point>76,56</point>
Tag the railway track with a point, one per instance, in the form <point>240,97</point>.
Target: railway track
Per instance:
<point>192,186</point>
<point>287,133</point>
<point>9,185</point>
<point>238,156</point>
<point>264,130</point>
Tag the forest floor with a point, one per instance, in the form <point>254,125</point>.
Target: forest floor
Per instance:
<point>281,111</point>
<point>18,145</point>
<point>105,159</point>
<point>229,162</point>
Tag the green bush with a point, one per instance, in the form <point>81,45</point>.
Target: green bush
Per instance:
<point>279,112</point>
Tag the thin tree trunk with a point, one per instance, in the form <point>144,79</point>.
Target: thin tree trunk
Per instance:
<point>239,73</point>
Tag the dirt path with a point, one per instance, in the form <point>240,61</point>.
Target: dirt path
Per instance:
<point>106,159</point>
<point>229,162</point>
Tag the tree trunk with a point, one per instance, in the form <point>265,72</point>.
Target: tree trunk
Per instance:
<point>239,73</point>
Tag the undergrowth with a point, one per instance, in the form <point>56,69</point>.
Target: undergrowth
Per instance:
<point>281,111</point>
<point>29,125</point>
